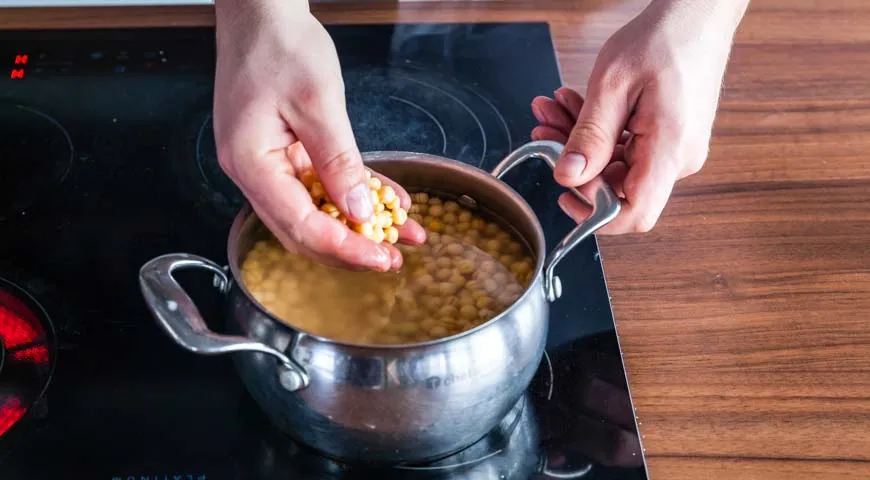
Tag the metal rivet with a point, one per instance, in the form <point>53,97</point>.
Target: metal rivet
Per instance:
<point>290,380</point>
<point>467,201</point>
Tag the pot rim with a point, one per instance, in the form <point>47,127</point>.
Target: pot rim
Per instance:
<point>383,156</point>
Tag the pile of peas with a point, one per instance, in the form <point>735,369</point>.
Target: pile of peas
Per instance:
<point>469,270</point>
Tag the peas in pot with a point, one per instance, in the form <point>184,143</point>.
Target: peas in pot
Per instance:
<point>413,399</point>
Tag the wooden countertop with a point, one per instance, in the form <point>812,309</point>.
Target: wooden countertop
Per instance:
<point>745,315</point>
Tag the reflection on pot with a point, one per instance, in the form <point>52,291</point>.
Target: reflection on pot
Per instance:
<point>575,421</point>
<point>509,451</point>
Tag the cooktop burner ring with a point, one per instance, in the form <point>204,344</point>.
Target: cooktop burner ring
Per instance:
<point>27,339</point>
<point>39,151</point>
<point>552,376</point>
<point>224,193</point>
<point>406,107</point>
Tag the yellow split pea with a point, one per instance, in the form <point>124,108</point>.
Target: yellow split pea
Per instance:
<point>386,204</point>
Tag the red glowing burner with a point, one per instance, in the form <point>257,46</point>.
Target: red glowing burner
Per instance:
<point>19,334</point>
<point>26,360</point>
<point>10,412</point>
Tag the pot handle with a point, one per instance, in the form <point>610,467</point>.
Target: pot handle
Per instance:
<point>605,206</point>
<point>178,316</point>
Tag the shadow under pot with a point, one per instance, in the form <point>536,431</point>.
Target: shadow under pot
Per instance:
<point>386,404</point>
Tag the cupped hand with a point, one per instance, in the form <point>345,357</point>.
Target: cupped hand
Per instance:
<point>647,118</point>
<point>279,109</point>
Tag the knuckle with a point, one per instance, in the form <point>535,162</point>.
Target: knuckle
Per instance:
<point>343,163</point>
<point>645,223</point>
<point>612,77</point>
<point>307,93</point>
<point>693,166</point>
<point>589,131</point>
<point>695,158</point>
<point>312,94</point>
<point>226,163</point>
<point>296,230</point>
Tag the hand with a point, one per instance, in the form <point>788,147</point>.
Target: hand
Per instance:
<point>278,83</point>
<point>648,115</point>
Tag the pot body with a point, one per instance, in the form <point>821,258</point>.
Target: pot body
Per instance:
<point>386,404</point>
<point>392,405</point>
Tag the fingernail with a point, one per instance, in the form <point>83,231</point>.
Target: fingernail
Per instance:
<point>396,260</point>
<point>359,203</point>
<point>572,165</point>
<point>563,207</point>
<point>539,115</point>
<point>381,257</point>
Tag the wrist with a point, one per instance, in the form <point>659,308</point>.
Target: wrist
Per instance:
<point>248,4</point>
<point>715,16</point>
<point>240,20</point>
<point>247,7</point>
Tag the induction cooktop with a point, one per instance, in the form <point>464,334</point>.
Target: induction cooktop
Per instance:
<point>108,160</point>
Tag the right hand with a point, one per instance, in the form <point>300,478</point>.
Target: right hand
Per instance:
<point>278,82</point>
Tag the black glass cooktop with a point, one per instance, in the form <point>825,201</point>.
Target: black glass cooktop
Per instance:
<point>108,160</point>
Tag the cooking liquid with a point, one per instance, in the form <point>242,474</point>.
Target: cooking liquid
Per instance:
<point>469,270</point>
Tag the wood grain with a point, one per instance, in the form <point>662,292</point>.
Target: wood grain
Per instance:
<point>745,315</point>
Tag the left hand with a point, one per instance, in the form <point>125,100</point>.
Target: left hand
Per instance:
<point>649,111</point>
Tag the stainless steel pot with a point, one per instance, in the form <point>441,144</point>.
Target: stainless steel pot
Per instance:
<point>386,404</point>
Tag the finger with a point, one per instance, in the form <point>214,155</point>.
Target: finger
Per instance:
<point>298,157</point>
<point>574,208</point>
<point>536,109</point>
<point>599,126</point>
<point>550,113</point>
<point>324,129</point>
<point>570,100</point>
<point>334,243</point>
<point>647,186</point>
<point>614,174</point>
<point>544,132</point>
<point>411,233</point>
<point>396,259</point>
<point>286,207</point>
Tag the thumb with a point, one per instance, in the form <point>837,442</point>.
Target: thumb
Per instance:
<point>592,140</point>
<point>327,136</point>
